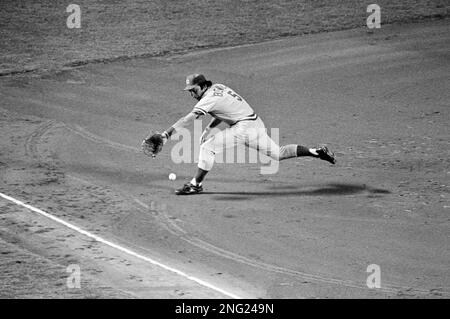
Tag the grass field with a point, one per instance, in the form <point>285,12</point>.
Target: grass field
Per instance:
<point>34,34</point>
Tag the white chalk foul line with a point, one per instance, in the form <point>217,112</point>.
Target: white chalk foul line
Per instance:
<point>118,247</point>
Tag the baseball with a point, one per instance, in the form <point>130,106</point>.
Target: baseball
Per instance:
<point>172,176</point>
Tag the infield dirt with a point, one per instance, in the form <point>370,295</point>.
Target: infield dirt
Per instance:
<point>70,146</point>
<point>35,37</point>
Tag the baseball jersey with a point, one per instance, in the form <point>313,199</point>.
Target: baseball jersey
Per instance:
<point>223,103</point>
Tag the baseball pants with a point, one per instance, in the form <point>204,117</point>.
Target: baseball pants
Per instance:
<point>250,133</point>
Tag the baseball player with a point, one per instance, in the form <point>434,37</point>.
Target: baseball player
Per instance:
<point>245,127</point>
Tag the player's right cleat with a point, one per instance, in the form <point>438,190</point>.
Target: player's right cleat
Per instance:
<point>326,155</point>
<point>189,189</point>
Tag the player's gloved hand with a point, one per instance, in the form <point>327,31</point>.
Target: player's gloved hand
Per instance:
<point>153,144</point>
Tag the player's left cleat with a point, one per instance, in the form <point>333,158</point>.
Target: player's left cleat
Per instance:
<point>189,189</point>
<point>326,155</point>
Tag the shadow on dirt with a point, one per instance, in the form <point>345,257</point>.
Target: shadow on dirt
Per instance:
<point>332,189</point>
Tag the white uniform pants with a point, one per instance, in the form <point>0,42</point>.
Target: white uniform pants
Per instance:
<point>250,133</point>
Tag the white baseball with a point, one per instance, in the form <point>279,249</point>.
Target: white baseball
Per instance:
<point>172,176</point>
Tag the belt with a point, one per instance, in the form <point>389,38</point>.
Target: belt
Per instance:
<point>251,117</point>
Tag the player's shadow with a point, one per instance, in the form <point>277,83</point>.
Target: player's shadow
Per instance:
<point>332,189</point>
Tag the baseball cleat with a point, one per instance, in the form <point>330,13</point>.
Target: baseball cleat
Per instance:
<point>326,155</point>
<point>189,189</point>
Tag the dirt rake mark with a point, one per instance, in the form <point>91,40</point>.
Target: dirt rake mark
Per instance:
<point>32,141</point>
<point>161,215</point>
<point>98,139</point>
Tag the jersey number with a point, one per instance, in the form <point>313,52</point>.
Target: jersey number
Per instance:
<point>218,90</point>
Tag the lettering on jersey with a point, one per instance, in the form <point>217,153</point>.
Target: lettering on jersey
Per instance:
<point>234,95</point>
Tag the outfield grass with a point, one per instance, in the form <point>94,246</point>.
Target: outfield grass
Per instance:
<point>34,34</point>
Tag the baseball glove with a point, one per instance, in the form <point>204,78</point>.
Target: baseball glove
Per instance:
<point>153,144</point>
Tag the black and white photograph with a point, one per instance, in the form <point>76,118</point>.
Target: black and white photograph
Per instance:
<point>224,154</point>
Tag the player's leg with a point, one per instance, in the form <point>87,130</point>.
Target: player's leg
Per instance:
<point>294,150</point>
<point>208,150</point>
<point>263,143</point>
<point>199,176</point>
<point>322,152</point>
<point>195,185</point>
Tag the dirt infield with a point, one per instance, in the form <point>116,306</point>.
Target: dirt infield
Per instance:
<point>34,35</point>
<point>37,253</point>
<point>69,146</point>
<point>70,132</point>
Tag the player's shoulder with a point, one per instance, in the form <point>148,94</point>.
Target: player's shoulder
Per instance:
<point>219,86</point>
<point>216,90</point>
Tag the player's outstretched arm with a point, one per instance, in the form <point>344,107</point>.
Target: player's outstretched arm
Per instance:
<point>182,122</point>
<point>153,144</point>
